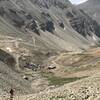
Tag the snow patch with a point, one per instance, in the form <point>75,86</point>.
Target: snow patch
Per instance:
<point>9,49</point>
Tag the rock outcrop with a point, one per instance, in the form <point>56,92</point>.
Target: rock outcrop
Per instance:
<point>92,7</point>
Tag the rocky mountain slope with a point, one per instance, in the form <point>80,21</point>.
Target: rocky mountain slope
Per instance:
<point>31,31</point>
<point>92,7</point>
<point>46,22</point>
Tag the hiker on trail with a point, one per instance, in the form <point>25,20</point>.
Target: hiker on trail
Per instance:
<point>11,94</point>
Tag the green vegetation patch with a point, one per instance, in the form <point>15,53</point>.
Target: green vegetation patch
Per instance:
<point>58,81</point>
<point>58,97</point>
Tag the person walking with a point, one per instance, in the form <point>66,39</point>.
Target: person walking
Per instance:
<point>11,94</point>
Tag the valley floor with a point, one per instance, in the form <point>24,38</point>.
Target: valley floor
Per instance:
<point>76,77</point>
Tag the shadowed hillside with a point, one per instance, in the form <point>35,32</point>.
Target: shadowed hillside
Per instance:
<point>92,7</point>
